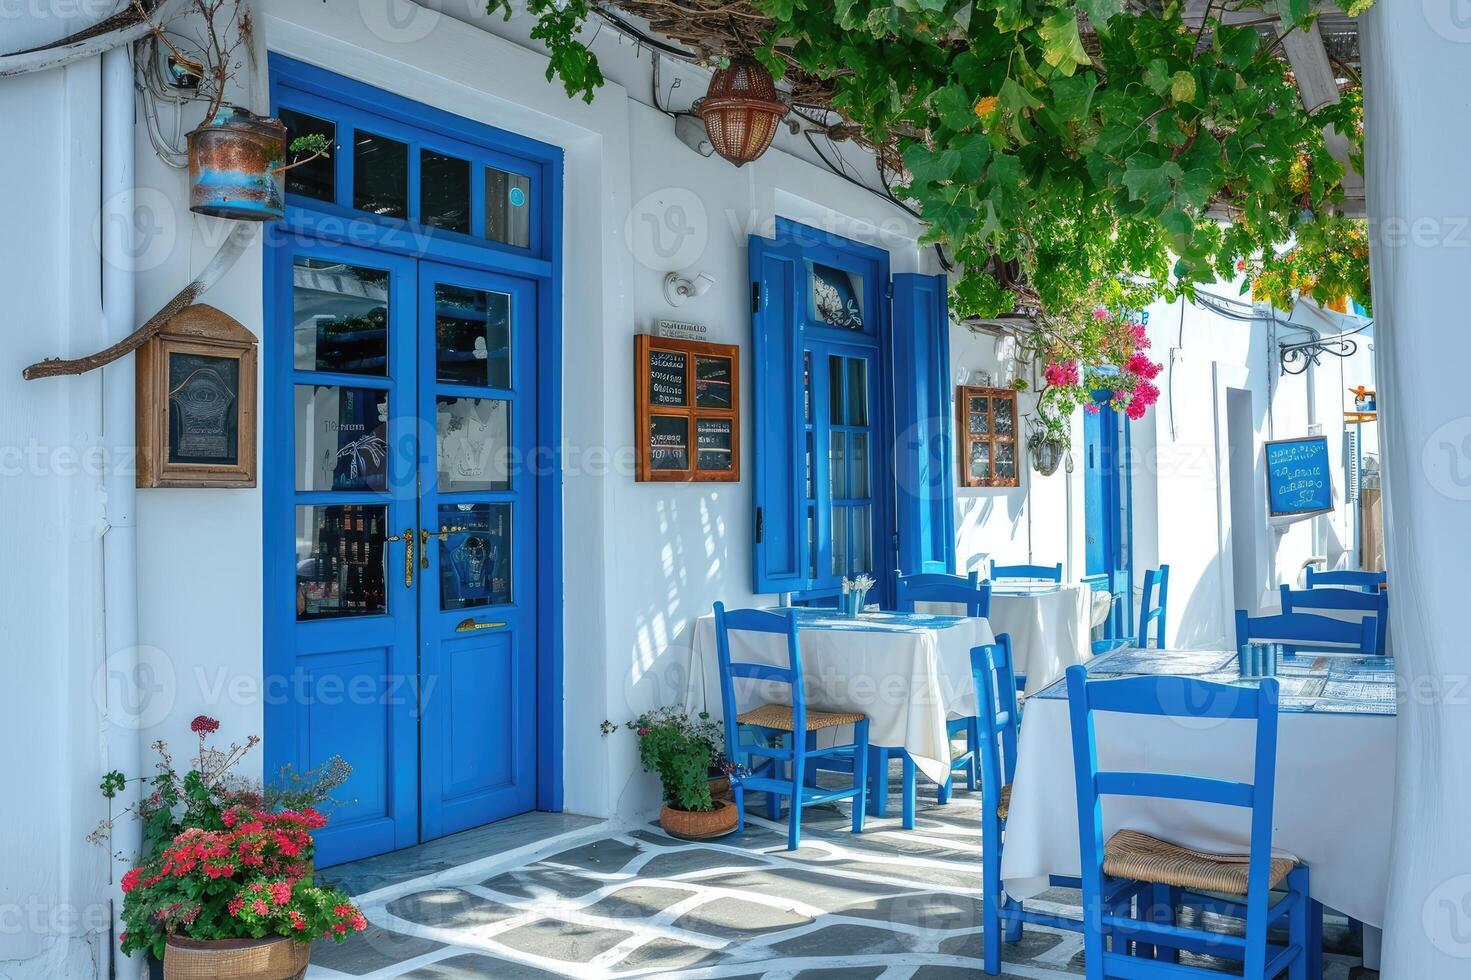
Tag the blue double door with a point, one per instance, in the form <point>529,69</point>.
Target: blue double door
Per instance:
<point>401,525</point>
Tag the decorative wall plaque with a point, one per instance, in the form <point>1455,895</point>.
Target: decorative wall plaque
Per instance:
<point>196,402</point>
<point>687,409</point>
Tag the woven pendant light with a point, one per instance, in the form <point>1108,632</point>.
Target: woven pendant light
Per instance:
<point>741,110</point>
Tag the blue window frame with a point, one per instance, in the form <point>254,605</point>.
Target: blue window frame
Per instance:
<point>843,358</point>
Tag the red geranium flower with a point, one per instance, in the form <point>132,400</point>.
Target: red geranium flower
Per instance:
<point>204,725</point>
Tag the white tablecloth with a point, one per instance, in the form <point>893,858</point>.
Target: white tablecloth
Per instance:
<point>1334,799</point>
<point>1050,630</point>
<point>909,680</point>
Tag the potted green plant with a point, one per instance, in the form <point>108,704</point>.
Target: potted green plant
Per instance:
<point>237,159</point>
<point>223,883</point>
<point>1049,441</point>
<point>688,755</point>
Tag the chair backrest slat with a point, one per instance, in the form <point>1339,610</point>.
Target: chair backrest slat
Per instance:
<point>1045,573</point>
<point>1305,631</point>
<point>958,589</point>
<point>1173,786</point>
<point>1354,578</point>
<point>1168,696</point>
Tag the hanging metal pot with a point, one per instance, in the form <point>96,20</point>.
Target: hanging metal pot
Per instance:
<point>234,167</point>
<point>1047,456</point>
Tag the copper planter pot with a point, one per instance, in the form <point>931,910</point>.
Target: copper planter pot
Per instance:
<point>271,958</point>
<point>694,825</point>
<point>234,167</point>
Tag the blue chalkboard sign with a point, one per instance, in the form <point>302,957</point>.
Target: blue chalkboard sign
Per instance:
<point>1298,476</point>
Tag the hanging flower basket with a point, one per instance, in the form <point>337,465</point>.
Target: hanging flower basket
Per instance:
<point>741,110</point>
<point>1047,456</point>
<point>235,167</point>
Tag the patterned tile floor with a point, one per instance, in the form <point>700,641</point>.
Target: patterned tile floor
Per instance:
<point>609,901</point>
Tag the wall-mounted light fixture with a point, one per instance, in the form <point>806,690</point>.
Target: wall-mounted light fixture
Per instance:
<point>677,288</point>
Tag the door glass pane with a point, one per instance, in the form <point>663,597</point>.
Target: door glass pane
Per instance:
<point>339,561</point>
<point>837,465</point>
<point>835,389</point>
<point>857,386</point>
<point>341,317</point>
<point>1006,460</point>
<point>840,541</point>
<point>1001,415</point>
<point>980,459</point>
<point>474,555</point>
<point>507,207</point>
<point>862,560</point>
<point>837,297</point>
<point>858,442</point>
<point>380,175</point>
<point>807,384</point>
<point>474,439</point>
<point>472,334</point>
<point>341,438</point>
<point>444,191</point>
<point>811,473</point>
<point>317,178</point>
<point>811,543</point>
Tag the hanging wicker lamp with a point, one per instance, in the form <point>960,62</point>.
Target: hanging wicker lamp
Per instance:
<point>741,110</point>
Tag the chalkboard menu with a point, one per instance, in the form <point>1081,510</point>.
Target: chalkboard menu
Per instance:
<point>687,409</point>
<point>196,383</point>
<point>668,378</point>
<point>712,382</point>
<point>1299,479</point>
<point>669,442</point>
<point>713,439</point>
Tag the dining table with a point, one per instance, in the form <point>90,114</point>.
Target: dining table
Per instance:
<point>1050,625</point>
<point>1334,787</point>
<point>910,673</point>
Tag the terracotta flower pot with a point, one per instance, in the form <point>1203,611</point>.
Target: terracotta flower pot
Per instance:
<point>272,958</point>
<point>720,788</point>
<point>696,825</point>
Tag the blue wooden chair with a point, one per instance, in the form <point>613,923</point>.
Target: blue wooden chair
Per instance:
<point>1376,603</point>
<point>961,590</point>
<point>1165,876</point>
<point>1306,633</point>
<point>783,729</point>
<point>1043,573</point>
<point>998,723</point>
<point>1152,606</point>
<point>1363,581</point>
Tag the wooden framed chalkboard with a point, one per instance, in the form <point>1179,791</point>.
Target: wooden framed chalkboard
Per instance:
<point>686,410</point>
<point>196,402</point>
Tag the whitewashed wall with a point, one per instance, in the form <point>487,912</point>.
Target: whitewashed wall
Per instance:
<point>53,916</point>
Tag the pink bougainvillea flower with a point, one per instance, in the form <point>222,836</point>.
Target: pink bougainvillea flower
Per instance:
<point>1135,410</point>
<point>1099,313</point>
<point>1091,408</point>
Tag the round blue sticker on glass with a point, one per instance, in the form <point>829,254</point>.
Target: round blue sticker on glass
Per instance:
<point>517,196</point>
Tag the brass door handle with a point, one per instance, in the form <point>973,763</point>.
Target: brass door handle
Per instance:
<point>468,625</point>
<point>408,539</point>
<point>423,549</point>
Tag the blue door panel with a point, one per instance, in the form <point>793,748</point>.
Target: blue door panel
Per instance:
<point>433,699</point>
<point>923,424</point>
<point>779,525</point>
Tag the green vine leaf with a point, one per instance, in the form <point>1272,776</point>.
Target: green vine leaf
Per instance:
<point>1063,47</point>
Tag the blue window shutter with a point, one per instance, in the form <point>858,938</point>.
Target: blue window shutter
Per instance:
<point>922,424</point>
<point>776,385</point>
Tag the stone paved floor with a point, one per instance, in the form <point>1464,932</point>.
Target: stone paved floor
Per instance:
<point>618,901</point>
